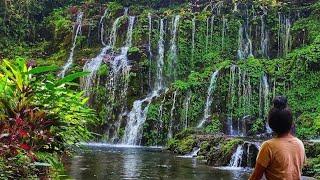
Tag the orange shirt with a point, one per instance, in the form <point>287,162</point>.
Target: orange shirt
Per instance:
<point>283,158</point>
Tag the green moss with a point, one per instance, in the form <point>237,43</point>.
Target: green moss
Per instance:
<point>103,70</point>
<point>186,145</point>
<point>215,125</point>
<point>230,145</point>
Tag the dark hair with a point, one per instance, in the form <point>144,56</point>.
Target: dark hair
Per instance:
<point>280,116</point>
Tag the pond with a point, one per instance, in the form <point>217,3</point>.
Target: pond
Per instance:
<point>102,161</point>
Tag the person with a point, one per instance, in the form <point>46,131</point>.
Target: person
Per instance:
<point>283,156</point>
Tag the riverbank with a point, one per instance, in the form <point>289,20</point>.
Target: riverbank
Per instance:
<point>232,152</point>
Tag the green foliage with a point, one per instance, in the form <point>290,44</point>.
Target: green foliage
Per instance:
<point>48,116</point>
<point>230,145</point>
<point>257,126</point>
<point>215,126</point>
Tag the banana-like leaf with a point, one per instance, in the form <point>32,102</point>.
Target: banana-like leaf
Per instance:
<point>42,69</point>
<point>71,77</point>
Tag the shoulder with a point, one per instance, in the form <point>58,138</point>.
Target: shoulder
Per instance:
<point>299,142</point>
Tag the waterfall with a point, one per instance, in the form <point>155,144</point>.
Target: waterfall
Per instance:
<point>160,113</point>
<point>193,36</point>
<point>126,9</point>
<point>264,37</point>
<point>265,93</point>
<point>232,89</point>
<point>265,96</point>
<point>173,48</point>
<point>69,62</point>
<point>230,126</point>
<point>160,62</point>
<point>207,34</point>
<point>224,31</point>
<point>244,43</point>
<point>186,104</point>
<point>113,34</point>
<point>138,114</point>
<point>102,30</point>
<point>211,30</point>
<point>92,67</point>
<point>192,154</point>
<point>120,65</point>
<point>150,49</point>
<point>170,133</point>
<point>119,73</point>
<point>249,164</point>
<point>236,158</point>
<point>284,37</point>
<point>207,111</point>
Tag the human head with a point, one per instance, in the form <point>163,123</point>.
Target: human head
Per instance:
<point>280,116</point>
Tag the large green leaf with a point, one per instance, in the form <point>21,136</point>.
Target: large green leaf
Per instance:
<point>42,69</point>
<point>71,77</point>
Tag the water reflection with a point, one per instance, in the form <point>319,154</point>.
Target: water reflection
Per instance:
<point>130,164</point>
<point>107,162</point>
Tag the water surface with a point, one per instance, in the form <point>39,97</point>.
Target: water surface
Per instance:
<point>101,161</point>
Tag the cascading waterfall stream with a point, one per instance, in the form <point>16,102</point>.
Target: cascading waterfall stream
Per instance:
<point>224,31</point>
<point>138,114</point>
<point>92,67</point>
<point>186,104</point>
<point>264,36</point>
<point>101,25</point>
<point>284,36</point>
<point>150,48</point>
<point>265,96</point>
<point>120,69</point>
<point>207,35</point>
<point>170,133</point>
<point>173,48</point>
<point>245,44</point>
<point>207,111</point>
<point>236,158</point>
<point>69,62</point>
<point>193,37</point>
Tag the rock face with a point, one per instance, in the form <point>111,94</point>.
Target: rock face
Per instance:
<point>217,150</point>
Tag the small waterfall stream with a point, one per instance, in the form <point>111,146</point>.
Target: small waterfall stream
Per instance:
<point>150,48</point>
<point>224,31</point>
<point>207,111</point>
<point>193,37</point>
<point>120,69</point>
<point>92,67</point>
<point>77,26</point>
<point>138,114</point>
<point>173,56</point>
<point>264,36</point>
<point>284,36</point>
<point>101,25</point>
<point>170,133</point>
<point>186,104</point>
<point>236,158</point>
